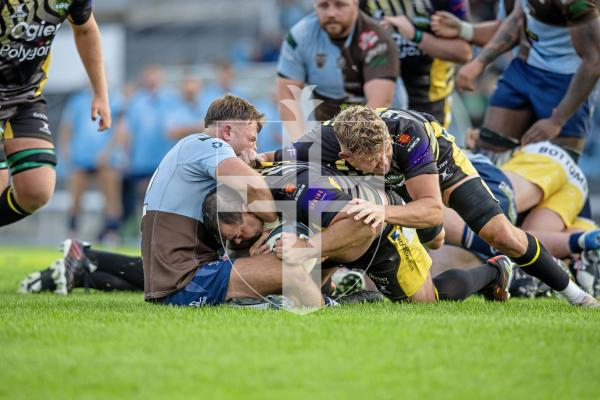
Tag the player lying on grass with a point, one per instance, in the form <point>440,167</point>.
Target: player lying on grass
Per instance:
<point>542,187</point>
<point>396,261</point>
<point>523,191</point>
<point>419,158</point>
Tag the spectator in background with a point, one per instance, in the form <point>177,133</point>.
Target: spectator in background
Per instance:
<point>427,61</point>
<point>345,53</point>
<point>89,154</point>
<point>224,83</point>
<point>147,137</point>
<point>186,115</point>
<point>271,134</point>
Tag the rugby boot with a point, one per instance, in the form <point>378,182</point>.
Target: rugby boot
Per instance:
<point>498,291</point>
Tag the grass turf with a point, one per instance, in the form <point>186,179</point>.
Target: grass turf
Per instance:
<point>113,345</point>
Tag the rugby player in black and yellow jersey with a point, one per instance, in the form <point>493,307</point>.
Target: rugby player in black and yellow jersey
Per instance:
<point>419,157</point>
<point>27,28</point>
<point>427,61</point>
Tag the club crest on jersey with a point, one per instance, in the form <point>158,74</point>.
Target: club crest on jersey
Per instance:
<point>367,39</point>
<point>320,59</point>
<point>403,138</point>
<point>19,11</point>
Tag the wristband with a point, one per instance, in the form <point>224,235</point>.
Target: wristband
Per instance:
<point>269,226</point>
<point>466,31</point>
<point>418,36</point>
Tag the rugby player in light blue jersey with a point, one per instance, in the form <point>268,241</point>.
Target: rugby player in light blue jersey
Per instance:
<point>544,93</point>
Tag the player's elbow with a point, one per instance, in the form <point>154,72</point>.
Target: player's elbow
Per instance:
<point>435,213</point>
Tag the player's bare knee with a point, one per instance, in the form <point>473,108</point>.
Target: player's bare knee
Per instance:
<point>32,198</point>
<point>437,242</point>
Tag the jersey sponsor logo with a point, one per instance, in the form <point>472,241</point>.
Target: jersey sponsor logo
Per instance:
<point>367,40</point>
<point>63,5</point>
<point>415,142</point>
<point>299,192</point>
<point>23,54</point>
<point>40,116</point>
<point>554,152</point>
<point>376,53</point>
<point>320,59</point>
<point>30,32</point>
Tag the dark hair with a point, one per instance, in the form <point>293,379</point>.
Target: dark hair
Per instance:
<point>223,205</point>
<point>232,108</point>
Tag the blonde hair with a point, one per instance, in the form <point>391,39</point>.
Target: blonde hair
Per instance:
<point>232,108</point>
<point>360,130</point>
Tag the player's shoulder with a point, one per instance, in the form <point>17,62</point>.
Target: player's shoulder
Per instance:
<point>304,32</point>
<point>370,32</point>
<point>199,146</point>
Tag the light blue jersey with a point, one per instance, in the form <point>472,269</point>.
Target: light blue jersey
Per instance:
<point>547,32</point>
<point>186,175</point>
<point>86,142</point>
<point>146,123</point>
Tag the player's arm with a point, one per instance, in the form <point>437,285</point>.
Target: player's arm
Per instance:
<point>381,67</point>
<point>379,92</point>
<point>236,174</point>
<point>87,40</point>
<point>425,210</point>
<point>505,39</point>
<point>586,40</point>
<point>446,25</point>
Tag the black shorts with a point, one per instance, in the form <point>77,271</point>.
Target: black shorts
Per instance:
<point>26,120</point>
<point>397,263</point>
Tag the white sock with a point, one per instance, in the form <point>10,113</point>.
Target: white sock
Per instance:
<point>573,293</point>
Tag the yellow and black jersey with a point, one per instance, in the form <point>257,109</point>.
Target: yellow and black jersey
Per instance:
<point>27,28</point>
<point>427,79</point>
<point>420,146</point>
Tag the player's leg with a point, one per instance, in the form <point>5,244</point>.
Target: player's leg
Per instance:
<point>472,201</point>
<point>110,184</point>
<point>3,168</point>
<point>77,185</point>
<point>271,278</point>
<point>508,115</point>
<point>31,161</point>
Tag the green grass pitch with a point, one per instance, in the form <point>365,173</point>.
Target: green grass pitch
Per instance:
<point>101,345</point>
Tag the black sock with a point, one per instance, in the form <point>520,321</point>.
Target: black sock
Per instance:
<point>10,211</point>
<point>458,284</point>
<point>127,268</point>
<point>539,263</point>
<point>107,282</point>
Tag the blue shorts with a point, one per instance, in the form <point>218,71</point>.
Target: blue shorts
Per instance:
<point>522,86</point>
<point>208,287</point>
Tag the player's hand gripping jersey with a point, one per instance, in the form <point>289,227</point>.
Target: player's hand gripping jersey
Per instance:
<point>420,146</point>
<point>27,28</point>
